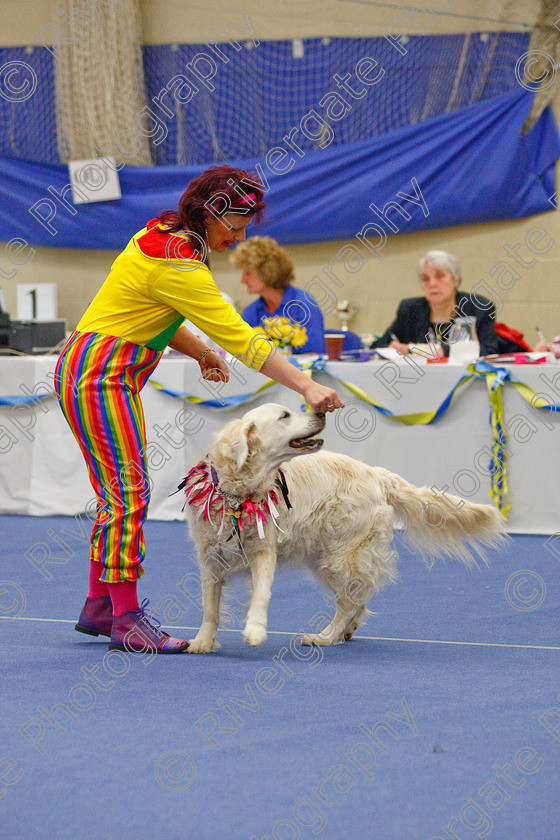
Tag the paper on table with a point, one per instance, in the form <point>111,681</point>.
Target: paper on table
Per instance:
<point>520,358</point>
<point>390,353</point>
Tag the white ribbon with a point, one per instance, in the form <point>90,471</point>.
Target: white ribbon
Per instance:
<point>223,520</point>
<point>274,512</point>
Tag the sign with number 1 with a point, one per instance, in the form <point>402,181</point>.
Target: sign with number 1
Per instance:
<point>37,301</point>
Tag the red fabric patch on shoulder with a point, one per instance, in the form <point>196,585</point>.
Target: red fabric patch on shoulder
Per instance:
<point>159,244</point>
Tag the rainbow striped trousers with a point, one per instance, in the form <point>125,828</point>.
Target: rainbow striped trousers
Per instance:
<point>98,380</point>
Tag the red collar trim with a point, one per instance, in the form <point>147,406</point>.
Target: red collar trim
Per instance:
<point>203,493</point>
<point>161,245</point>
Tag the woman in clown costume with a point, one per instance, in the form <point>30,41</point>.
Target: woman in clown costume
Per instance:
<point>158,281</point>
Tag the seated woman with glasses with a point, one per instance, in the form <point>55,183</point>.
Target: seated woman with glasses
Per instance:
<point>431,318</point>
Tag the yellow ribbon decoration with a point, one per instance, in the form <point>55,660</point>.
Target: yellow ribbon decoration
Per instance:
<point>498,472</point>
<point>494,378</point>
<point>225,402</point>
<point>420,418</point>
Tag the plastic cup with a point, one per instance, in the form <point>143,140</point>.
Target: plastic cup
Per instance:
<point>334,342</point>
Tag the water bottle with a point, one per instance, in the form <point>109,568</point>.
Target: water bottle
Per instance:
<point>464,346</point>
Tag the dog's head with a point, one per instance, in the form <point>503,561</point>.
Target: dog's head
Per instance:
<point>265,437</point>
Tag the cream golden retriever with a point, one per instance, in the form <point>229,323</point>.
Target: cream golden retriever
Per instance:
<point>251,503</point>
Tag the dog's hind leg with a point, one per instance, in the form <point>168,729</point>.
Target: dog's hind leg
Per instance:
<point>351,596</point>
<point>381,565</point>
<point>346,615</point>
<point>353,579</point>
<point>205,639</point>
<point>353,624</point>
<point>263,564</point>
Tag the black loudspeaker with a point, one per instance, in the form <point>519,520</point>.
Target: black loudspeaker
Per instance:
<point>5,330</point>
<point>34,337</point>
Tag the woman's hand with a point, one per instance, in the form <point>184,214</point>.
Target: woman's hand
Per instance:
<point>320,398</point>
<point>403,349</point>
<point>213,367</point>
<point>550,346</point>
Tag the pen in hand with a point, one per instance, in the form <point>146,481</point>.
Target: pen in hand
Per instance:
<point>401,352</point>
<point>540,335</point>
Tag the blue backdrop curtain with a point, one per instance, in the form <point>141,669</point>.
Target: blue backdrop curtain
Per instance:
<point>440,135</point>
<point>472,165</point>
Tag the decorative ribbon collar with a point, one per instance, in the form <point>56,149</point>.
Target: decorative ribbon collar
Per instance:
<point>203,491</point>
<point>235,501</point>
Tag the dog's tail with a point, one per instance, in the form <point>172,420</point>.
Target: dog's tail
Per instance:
<point>441,524</point>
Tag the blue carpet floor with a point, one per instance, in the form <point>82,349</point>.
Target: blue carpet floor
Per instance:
<point>437,721</point>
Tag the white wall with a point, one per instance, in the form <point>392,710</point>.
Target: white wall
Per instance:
<point>183,21</point>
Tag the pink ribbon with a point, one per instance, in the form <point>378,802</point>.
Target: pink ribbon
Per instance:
<point>202,494</point>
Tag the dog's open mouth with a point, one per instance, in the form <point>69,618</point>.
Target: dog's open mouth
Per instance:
<point>308,443</point>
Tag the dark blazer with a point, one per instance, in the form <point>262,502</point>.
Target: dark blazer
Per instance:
<point>412,323</point>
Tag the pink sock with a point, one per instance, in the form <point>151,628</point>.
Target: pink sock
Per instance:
<point>123,596</point>
<point>97,588</point>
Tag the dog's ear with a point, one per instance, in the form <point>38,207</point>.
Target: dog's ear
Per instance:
<point>245,443</point>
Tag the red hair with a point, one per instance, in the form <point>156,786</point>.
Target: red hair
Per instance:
<point>193,212</point>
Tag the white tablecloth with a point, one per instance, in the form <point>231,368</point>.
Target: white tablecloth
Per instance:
<point>42,471</point>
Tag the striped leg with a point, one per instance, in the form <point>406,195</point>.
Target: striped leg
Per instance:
<point>98,380</point>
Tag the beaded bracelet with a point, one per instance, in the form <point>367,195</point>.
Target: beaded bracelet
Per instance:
<point>200,358</point>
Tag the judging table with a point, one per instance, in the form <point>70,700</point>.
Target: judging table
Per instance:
<point>43,473</point>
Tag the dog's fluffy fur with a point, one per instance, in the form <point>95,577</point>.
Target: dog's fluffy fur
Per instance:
<point>340,525</point>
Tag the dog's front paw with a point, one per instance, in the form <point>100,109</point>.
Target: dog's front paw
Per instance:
<point>254,634</point>
<point>319,640</point>
<point>202,646</point>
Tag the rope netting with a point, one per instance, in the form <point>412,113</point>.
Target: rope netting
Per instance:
<point>99,82</point>
<point>244,104</point>
<point>95,90</point>
<point>540,71</point>
<point>27,116</point>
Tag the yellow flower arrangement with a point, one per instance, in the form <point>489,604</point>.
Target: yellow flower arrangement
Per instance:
<point>284,332</point>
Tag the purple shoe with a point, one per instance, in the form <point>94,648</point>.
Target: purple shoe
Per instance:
<point>96,618</point>
<point>138,630</point>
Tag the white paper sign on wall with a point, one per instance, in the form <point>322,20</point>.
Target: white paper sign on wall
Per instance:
<point>94,180</point>
<point>37,301</point>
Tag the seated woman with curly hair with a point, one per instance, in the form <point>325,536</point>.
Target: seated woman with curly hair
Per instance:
<point>268,271</point>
